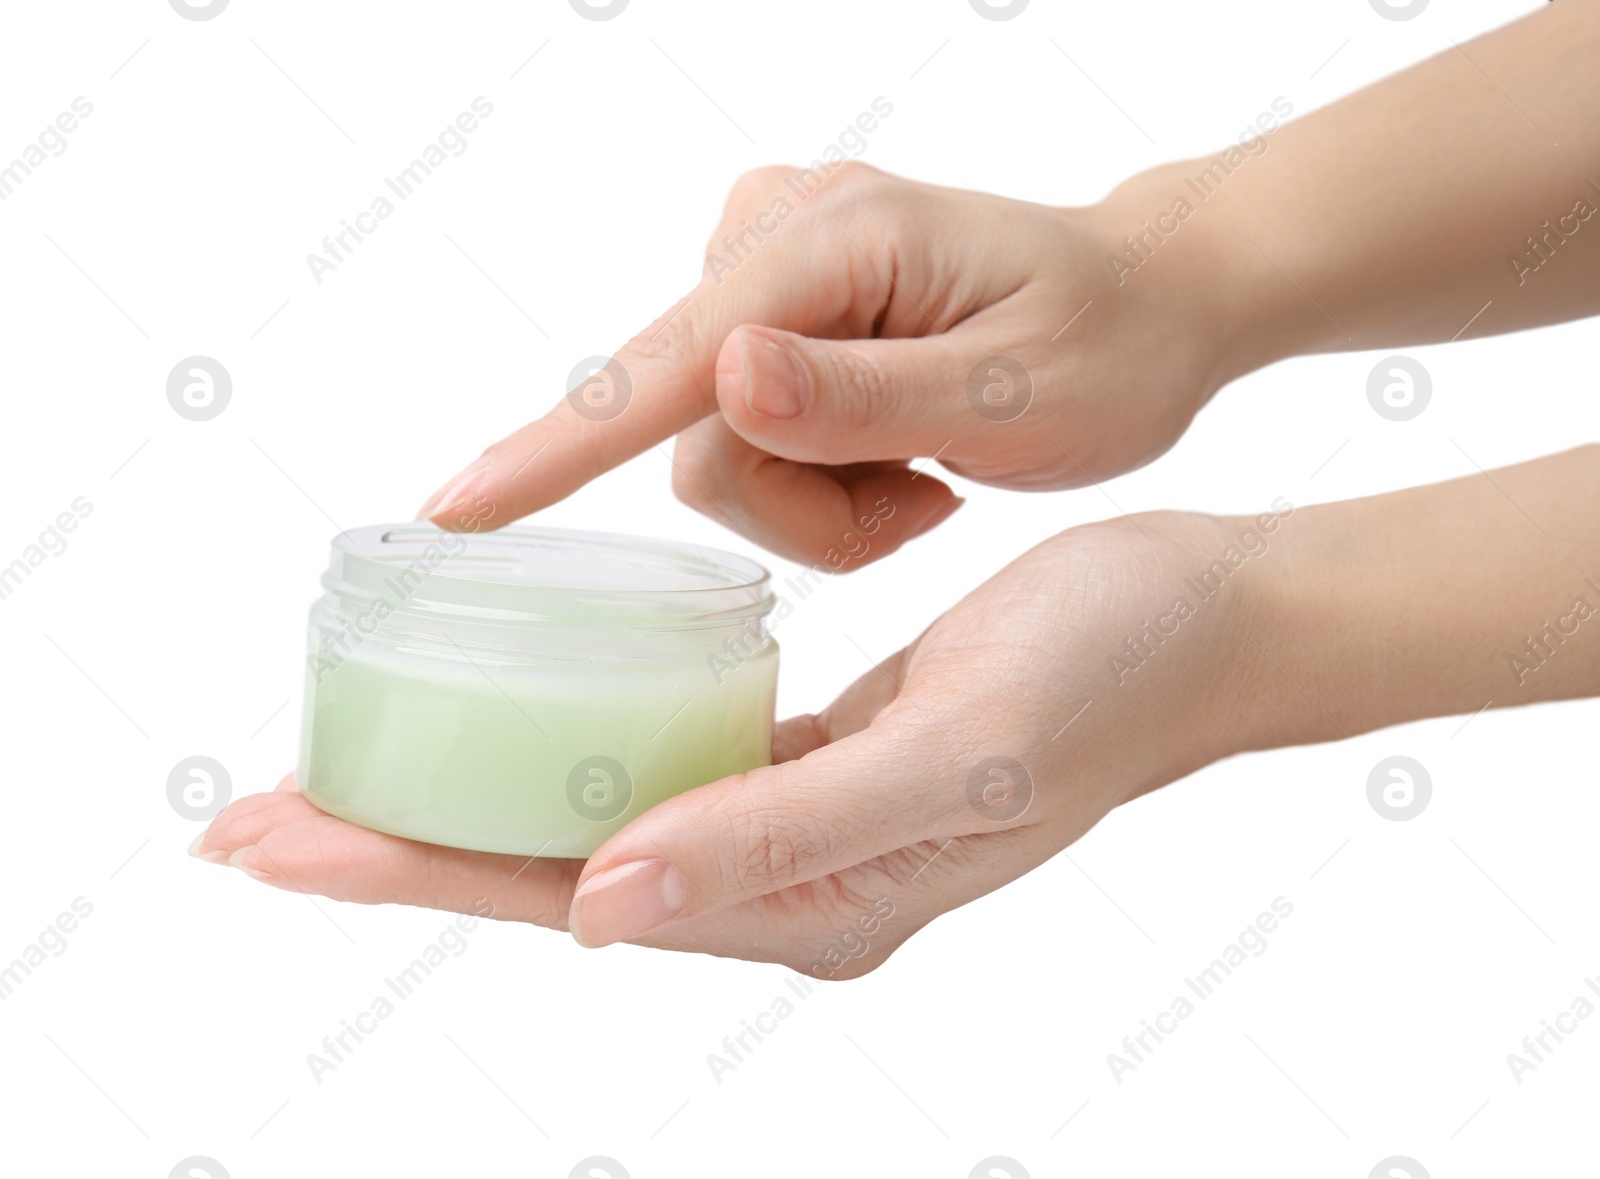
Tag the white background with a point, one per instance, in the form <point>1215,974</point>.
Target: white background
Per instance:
<point>178,1020</point>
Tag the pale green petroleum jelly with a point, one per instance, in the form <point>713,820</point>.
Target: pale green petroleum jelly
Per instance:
<point>530,690</point>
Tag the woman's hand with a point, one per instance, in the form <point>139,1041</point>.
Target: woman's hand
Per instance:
<point>999,737</point>
<point>1100,665</point>
<point>849,322</point>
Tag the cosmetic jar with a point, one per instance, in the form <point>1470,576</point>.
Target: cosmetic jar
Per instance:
<point>530,690</point>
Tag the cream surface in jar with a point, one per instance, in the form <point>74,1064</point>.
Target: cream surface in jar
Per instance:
<point>530,690</point>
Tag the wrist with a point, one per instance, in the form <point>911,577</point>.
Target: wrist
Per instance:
<point>1288,687</point>
<point>1434,601</point>
<point>1213,593</point>
<point>1186,253</point>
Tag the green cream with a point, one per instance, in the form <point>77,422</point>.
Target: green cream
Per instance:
<point>519,695</point>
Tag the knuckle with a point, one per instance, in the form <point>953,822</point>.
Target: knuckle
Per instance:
<point>245,818</point>
<point>854,172</point>
<point>763,178</point>
<point>757,202</point>
<point>867,388</point>
<point>775,846</point>
<point>672,336</point>
<point>849,181</point>
<point>755,188</point>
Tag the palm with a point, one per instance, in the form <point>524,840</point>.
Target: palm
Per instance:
<point>1000,678</point>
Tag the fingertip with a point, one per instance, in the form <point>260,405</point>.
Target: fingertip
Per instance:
<point>936,514</point>
<point>442,504</point>
<point>250,860</point>
<point>890,508</point>
<point>210,857</point>
<point>733,373</point>
<point>731,358</point>
<point>626,902</point>
<point>763,377</point>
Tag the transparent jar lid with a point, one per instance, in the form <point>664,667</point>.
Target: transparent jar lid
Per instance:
<point>545,577</point>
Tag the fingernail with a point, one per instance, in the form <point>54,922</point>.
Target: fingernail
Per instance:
<point>626,902</point>
<point>215,857</point>
<point>240,859</point>
<point>936,517</point>
<point>455,491</point>
<point>776,384</point>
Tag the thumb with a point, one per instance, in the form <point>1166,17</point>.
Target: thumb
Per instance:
<point>711,848</point>
<point>844,401</point>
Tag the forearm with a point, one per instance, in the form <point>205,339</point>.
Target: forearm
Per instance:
<point>1403,213</point>
<point>1438,600</point>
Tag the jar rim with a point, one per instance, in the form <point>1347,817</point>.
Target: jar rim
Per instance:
<point>541,576</point>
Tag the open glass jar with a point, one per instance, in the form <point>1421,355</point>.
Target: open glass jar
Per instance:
<point>530,690</point>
